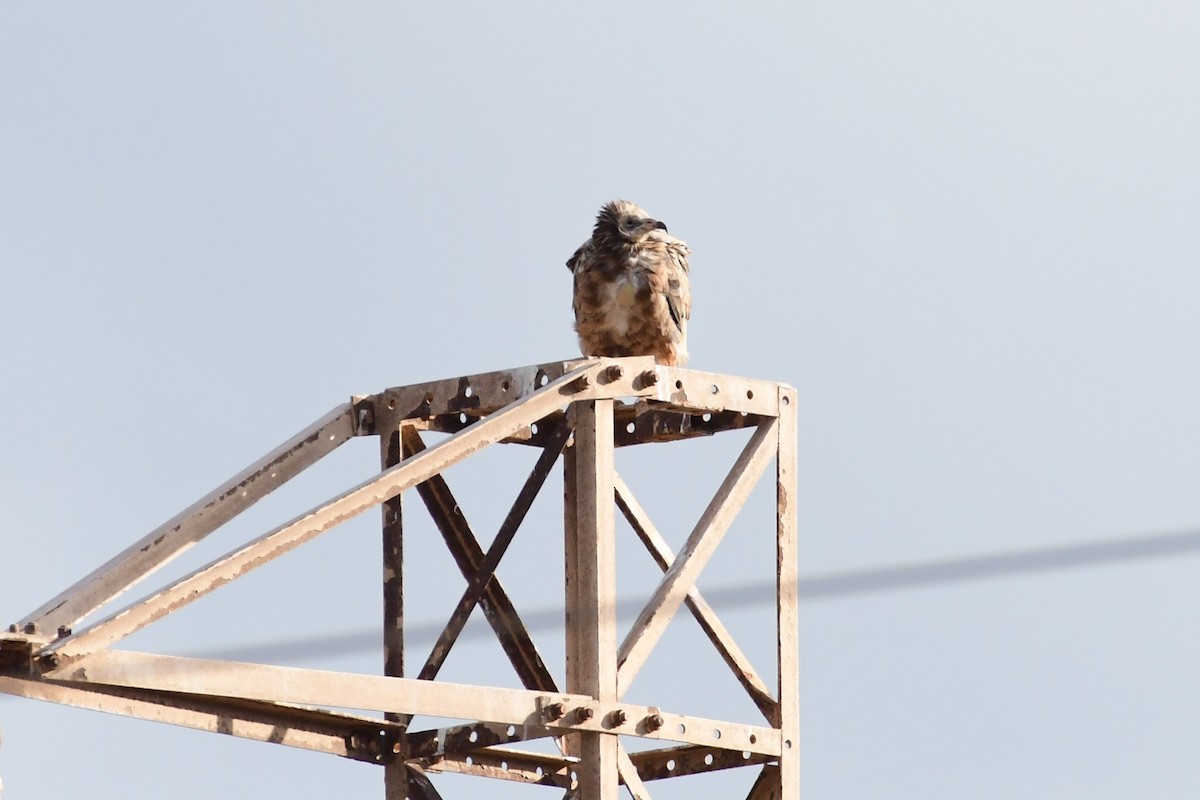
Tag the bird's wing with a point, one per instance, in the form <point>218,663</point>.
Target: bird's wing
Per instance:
<point>675,283</point>
<point>580,265</point>
<point>582,255</point>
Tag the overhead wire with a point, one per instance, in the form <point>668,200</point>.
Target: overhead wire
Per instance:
<point>829,586</point>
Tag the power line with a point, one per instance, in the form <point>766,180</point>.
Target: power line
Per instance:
<point>816,588</point>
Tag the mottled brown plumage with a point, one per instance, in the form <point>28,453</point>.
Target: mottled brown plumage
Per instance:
<point>632,295</point>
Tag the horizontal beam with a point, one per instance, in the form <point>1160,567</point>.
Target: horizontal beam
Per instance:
<point>195,522</point>
<point>384,486</point>
<point>475,396</point>
<point>689,389</point>
<point>673,762</point>
<point>308,687</point>
<point>558,712</point>
<point>308,729</point>
<point>462,738</point>
<point>443,404</point>
<point>508,765</point>
<point>640,423</point>
<point>553,770</point>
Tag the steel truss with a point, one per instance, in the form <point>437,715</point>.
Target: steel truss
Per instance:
<point>578,411</point>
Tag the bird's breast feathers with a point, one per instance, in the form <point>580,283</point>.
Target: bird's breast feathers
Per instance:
<point>618,303</point>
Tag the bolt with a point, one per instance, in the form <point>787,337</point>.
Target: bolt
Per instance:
<point>581,383</point>
<point>654,722</point>
<point>616,718</point>
<point>583,714</point>
<point>649,377</point>
<point>552,712</point>
<point>31,627</point>
<point>13,628</point>
<point>63,631</point>
<point>614,372</point>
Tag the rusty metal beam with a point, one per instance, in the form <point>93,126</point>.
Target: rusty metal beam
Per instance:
<point>673,762</point>
<point>720,637</point>
<point>701,544</point>
<point>630,777</point>
<point>201,518</point>
<point>483,577</point>
<point>497,606</point>
<point>395,771</point>
<point>472,736</point>
<point>389,483</point>
<point>507,764</point>
<point>559,712</point>
<point>479,395</point>
<point>322,731</point>
<point>592,633</point>
<point>786,596</point>
<point>689,389</point>
<point>766,786</point>
<point>647,422</point>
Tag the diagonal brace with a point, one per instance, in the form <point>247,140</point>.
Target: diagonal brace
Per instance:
<point>700,546</point>
<point>195,522</point>
<point>717,633</point>
<point>464,546</point>
<point>389,483</point>
<point>479,582</point>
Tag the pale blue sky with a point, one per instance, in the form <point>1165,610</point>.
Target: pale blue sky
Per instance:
<point>965,232</point>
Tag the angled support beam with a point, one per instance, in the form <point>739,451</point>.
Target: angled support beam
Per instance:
<point>766,787</point>
<point>483,577</point>
<point>701,544</point>
<point>630,777</point>
<point>388,484</point>
<point>419,785</point>
<point>733,656</point>
<point>195,522</point>
<point>468,554</point>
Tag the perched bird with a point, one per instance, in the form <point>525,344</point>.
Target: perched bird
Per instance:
<point>632,296</point>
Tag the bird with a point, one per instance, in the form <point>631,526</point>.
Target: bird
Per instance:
<point>632,294</point>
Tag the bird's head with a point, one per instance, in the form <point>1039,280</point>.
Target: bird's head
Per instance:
<point>623,222</point>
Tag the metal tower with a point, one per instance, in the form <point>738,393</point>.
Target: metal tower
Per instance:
<point>577,410</point>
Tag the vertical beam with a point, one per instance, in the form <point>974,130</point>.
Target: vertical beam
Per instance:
<point>592,634</point>
<point>395,772</point>
<point>569,744</point>
<point>787,618</point>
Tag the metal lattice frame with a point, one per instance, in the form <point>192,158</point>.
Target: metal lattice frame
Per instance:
<point>567,409</point>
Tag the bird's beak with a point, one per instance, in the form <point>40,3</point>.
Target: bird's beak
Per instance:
<point>651,224</point>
